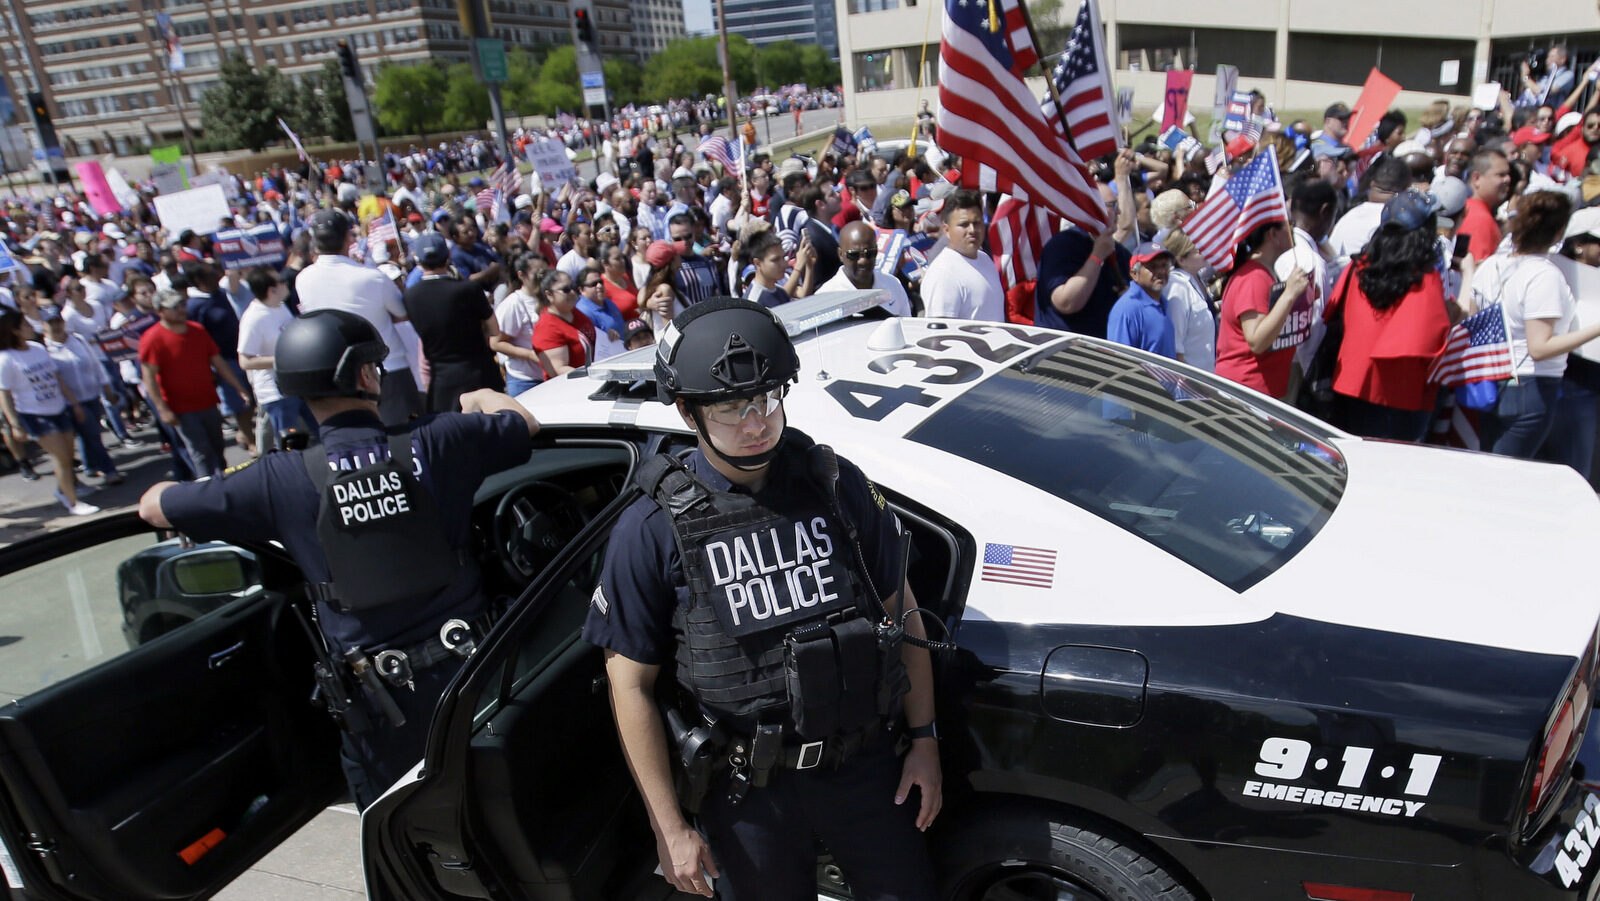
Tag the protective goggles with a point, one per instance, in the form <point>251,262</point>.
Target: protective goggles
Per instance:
<point>733,412</point>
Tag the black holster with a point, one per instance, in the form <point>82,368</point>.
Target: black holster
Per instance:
<point>696,751</point>
<point>333,695</point>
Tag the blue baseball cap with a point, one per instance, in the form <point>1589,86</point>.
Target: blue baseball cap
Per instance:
<point>1408,211</point>
<point>431,249</point>
<point>440,214</point>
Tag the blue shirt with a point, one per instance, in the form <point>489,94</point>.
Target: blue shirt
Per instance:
<point>1139,320</point>
<point>215,313</point>
<point>272,498</point>
<point>605,315</point>
<point>470,262</point>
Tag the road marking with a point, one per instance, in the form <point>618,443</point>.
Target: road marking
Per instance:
<point>344,809</point>
<point>80,611</point>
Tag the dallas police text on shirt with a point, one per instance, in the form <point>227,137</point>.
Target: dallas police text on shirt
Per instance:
<point>770,573</point>
<point>371,498</point>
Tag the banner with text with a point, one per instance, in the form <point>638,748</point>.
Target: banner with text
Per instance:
<point>261,245</point>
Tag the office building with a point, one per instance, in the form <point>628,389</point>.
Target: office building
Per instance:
<point>769,21</point>
<point>655,23</point>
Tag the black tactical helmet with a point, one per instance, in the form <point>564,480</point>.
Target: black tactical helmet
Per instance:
<point>721,349</point>
<point>320,354</point>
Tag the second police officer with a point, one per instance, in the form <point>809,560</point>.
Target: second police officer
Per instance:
<point>769,578</point>
<point>347,511</point>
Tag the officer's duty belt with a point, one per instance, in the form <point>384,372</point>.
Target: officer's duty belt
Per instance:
<point>433,651</point>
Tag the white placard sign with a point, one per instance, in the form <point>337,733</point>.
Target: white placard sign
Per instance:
<point>169,177</point>
<point>549,159</point>
<point>201,209</point>
<point>121,190</point>
<point>1585,284</point>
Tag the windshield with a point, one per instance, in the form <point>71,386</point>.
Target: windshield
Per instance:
<point>1179,460</point>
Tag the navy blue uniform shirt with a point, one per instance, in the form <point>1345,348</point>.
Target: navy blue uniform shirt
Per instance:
<point>216,315</point>
<point>642,581</point>
<point>273,498</point>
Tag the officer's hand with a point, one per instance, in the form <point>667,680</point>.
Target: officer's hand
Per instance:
<point>685,859</point>
<point>922,770</point>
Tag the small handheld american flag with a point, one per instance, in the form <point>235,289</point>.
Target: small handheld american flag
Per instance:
<point>1477,350</point>
<point>1252,197</point>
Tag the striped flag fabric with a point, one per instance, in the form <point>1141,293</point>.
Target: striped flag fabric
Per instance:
<point>717,148</point>
<point>1252,197</point>
<point>507,180</point>
<point>891,247</point>
<point>1016,238</point>
<point>1178,387</point>
<point>988,117</point>
<point>1016,565</point>
<point>484,200</point>
<point>1477,350</point>
<point>382,229</point>
<point>1083,81</point>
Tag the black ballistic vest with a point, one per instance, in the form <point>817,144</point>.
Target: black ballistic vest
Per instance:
<point>756,577</point>
<point>380,530</point>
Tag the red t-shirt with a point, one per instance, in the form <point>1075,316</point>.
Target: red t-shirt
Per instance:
<point>1386,354</point>
<point>1570,153</point>
<point>1477,222</point>
<point>625,296</point>
<point>1250,290</point>
<point>184,363</point>
<point>1020,303</point>
<point>576,336</point>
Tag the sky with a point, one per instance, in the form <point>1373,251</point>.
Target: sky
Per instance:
<point>697,16</point>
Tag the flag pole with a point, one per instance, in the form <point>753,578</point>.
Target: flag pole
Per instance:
<point>1055,96</point>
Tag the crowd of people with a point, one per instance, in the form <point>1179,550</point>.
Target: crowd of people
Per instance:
<point>1343,309</point>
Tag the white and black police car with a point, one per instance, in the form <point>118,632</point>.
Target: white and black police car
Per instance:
<point>1209,648</point>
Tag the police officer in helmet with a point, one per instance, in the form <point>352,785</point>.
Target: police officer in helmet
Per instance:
<point>767,577</point>
<point>346,510</point>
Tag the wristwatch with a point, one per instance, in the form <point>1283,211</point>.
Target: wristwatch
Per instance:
<point>931,730</point>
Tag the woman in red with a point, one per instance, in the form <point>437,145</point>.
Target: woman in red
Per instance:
<point>564,336</point>
<point>1261,325</point>
<point>1396,321</point>
<point>617,277</point>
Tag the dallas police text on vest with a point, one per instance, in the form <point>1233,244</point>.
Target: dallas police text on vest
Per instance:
<point>771,573</point>
<point>372,498</point>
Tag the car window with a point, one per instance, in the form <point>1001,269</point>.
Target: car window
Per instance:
<point>1185,462</point>
<point>80,609</point>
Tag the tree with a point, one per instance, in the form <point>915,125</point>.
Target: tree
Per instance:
<point>622,80</point>
<point>407,98</point>
<point>238,111</point>
<point>557,90</point>
<point>333,108</point>
<point>522,81</point>
<point>820,71</point>
<point>466,101</point>
<point>781,63</point>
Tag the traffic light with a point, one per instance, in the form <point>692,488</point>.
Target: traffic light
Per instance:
<point>585,27</point>
<point>347,61</point>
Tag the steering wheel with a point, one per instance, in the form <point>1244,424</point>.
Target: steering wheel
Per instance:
<point>532,523</point>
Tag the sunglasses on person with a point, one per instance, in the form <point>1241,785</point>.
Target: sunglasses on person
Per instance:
<point>860,254</point>
<point>733,412</point>
<point>590,284</point>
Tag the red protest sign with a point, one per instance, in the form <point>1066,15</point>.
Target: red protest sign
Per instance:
<point>1376,96</point>
<point>1176,101</point>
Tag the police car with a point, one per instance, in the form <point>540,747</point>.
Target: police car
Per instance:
<point>1209,648</point>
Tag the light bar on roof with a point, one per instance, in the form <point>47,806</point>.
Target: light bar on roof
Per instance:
<point>798,317</point>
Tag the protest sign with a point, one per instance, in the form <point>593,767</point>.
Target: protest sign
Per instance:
<point>122,343</point>
<point>1176,99</point>
<point>199,209</point>
<point>7,261</point>
<point>549,159</point>
<point>1376,95</point>
<point>1124,106</point>
<point>865,142</point>
<point>170,178</point>
<point>891,246</point>
<point>261,245</point>
<point>1227,83</point>
<point>121,190</point>
<point>1585,284</point>
<point>1238,115</point>
<point>1486,95</point>
<point>97,189</point>
<point>1180,142</point>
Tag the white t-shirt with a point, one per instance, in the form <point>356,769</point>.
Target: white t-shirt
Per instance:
<point>1305,255</point>
<point>87,326</point>
<point>956,287</point>
<point>258,337</point>
<point>78,367</point>
<point>1193,327</point>
<point>1528,287</point>
<point>898,303</point>
<point>336,282</point>
<point>30,374</point>
<point>572,263</point>
<point>1354,230</point>
<point>517,315</point>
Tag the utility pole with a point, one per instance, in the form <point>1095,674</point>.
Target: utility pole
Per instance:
<point>355,93</point>
<point>730,96</point>
<point>488,64</point>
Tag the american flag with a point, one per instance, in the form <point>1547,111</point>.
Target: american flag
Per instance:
<point>1177,387</point>
<point>988,118</point>
<point>1014,565</point>
<point>382,229</point>
<point>1252,197</point>
<point>507,180</point>
<point>717,148</point>
<point>1081,80</point>
<point>1477,350</point>
<point>484,200</point>
<point>1016,238</point>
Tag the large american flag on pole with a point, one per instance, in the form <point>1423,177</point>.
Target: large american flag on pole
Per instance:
<point>989,119</point>
<point>1082,81</point>
<point>1251,198</point>
<point>1016,238</point>
<point>1476,350</point>
<point>294,138</point>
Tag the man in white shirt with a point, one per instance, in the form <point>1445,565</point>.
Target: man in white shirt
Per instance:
<point>1311,212</point>
<point>335,281</point>
<point>963,282</point>
<point>1389,177</point>
<point>858,269</point>
<point>263,319</point>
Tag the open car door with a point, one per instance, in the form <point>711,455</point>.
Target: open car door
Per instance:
<point>524,787</point>
<point>161,740</point>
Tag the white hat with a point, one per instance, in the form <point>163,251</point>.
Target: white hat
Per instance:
<point>522,202</point>
<point>1570,120</point>
<point>605,182</point>
<point>682,172</point>
<point>349,193</point>
<point>1584,222</point>
<point>1406,148</point>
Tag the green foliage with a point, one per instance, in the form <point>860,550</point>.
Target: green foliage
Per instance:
<point>407,98</point>
<point>522,68</point>
<point>466,100</point>
<point>820,71</point>
<point>557,89</point>
<point>239,111</point>
<point>623,79</point>
<point>780,63</point>
<point>689,67</point>
<point>333,110</point>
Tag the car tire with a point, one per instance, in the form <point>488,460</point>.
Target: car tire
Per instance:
<point>1004,854</point>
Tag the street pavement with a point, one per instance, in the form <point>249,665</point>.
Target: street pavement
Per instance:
<point>321,862</point>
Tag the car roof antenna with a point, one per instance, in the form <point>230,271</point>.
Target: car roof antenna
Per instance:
<point>822,364</point>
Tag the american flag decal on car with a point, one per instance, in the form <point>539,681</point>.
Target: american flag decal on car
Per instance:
<point>1016,565</point>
